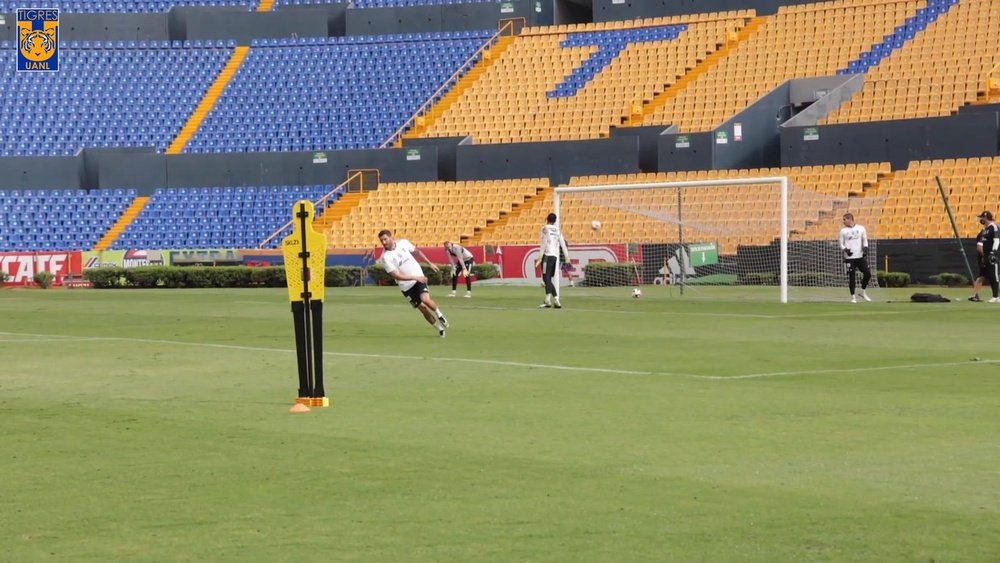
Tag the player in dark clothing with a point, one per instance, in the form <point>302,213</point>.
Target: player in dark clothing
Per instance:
<point>987,245</point>
<point>977,284</point>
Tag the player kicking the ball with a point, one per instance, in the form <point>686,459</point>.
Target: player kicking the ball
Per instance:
<point>403,267</point>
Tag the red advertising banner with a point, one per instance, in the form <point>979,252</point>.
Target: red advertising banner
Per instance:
<point>21,267</point>
<point>518,261</point>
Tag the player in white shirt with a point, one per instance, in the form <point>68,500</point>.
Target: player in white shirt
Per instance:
<point>459,257</point>
<point>551,243</point>
<point>403,267</point>
<point>854,244</point>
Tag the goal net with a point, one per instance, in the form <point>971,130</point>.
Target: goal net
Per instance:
<point>737,238</point>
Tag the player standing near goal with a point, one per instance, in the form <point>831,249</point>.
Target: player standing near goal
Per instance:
<point>854,244</point>
<point>459,256</point>
<point>984,266</point>
<point>403,267</point>
<point>552,242</point>
<point>987,245</point>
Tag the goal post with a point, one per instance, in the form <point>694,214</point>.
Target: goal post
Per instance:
<point>723,232</point>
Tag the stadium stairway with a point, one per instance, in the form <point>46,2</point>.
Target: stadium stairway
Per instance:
<point>342,208</point>
<point>129,215</point>
<point>208,101</point>
<point>640,111</point>
<point>422,123</point>
<point>486,233</point>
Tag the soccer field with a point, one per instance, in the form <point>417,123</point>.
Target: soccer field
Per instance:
<point>154,426</point>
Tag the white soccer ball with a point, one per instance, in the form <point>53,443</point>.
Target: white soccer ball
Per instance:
<point>595,224</point>
<point>636,293</point>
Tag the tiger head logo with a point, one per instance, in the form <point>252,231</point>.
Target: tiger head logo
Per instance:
<point>38,44</point>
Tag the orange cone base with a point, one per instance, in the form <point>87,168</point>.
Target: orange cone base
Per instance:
<point>313,401</point>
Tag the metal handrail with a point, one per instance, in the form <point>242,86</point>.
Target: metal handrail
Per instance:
<point>989,75</point>
<point>446,85</point>
<point>340,188</point>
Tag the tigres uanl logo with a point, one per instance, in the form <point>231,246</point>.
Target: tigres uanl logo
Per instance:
<point>38,39</point>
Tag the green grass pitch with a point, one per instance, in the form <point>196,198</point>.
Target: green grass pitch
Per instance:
<point>154,426</point>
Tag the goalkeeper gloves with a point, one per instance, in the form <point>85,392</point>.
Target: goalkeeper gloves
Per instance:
<point>847,253</point>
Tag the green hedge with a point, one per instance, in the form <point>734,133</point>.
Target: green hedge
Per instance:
<point>892,279</point>
<point>598,274</point>
<point>221,276</point>
<point>950,280</point>
<point>243,276</point>
<point>441,277</point>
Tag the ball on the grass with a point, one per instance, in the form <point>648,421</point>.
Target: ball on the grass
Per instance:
<point>636,293</point>
<point>595,224</point>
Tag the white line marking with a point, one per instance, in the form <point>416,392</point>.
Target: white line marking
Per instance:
<point>526,364</point>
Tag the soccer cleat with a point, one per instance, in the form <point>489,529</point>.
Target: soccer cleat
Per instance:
<point>468,294</point>
<point>864,295</point>
<point>544,306</point>
<point>441,333</point>
<point>975,298</point>
<point>854,299</point>
<point>994,300</point>
<point>452,294</point>
<point>558,305</point>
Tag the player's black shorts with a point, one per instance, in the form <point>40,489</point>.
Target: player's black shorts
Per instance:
<point>856,263</point>
<point>984,267</point>
<point>413,294</point>
<point>468,267</point>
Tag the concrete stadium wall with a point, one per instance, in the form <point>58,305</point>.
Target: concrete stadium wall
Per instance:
<point>243,26</point>
<point>101,27</point>
<point>421,19</point>
<point>146,170</point>
<point>611,10</point>
<point>557,160</point>
<point>35,172</point>
<point>923,258</point>
<point>678,152</point>
<point>897,142</point>
<point>649,142</point>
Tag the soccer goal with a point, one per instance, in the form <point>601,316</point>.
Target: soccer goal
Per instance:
<point>729,237</point>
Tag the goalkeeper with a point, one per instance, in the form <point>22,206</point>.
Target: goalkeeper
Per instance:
<point>987,245</point>
<point>552,242</point>
<point>854,245</point>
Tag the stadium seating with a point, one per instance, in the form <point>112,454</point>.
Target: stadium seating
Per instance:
<point>58,219</point>
<point>384,3</point>
<point>941,69</point>
<point>799,41</point>
<point>120,6</point>
<point>228,217</point>
<point>914,209</point>
<point>428,213</point>
<point>619,65</point>
<point>341,93</point>
<point>117,94</point>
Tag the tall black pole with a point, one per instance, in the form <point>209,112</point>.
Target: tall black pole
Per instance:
<point>954,227</point>
<point>307,335</point>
